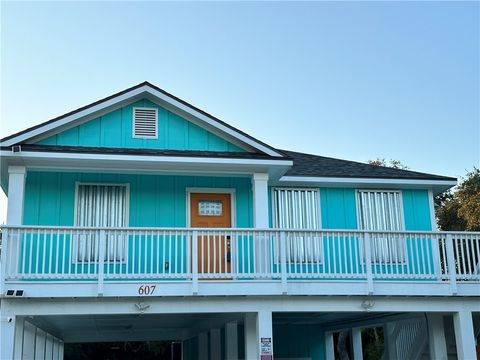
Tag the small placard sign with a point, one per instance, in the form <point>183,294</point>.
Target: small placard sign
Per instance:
<point>266,347</point>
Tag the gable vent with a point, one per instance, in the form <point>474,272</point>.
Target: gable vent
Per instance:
<point>145,124</point>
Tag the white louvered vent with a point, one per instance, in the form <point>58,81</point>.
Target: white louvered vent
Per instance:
<point>145,124</point>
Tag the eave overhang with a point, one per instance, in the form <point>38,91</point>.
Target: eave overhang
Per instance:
<point>437,186</point>
<point>141,164</point>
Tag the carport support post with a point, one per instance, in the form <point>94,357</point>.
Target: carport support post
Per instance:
<point>231,341</point>
<point>463,324</point>
<point>265,333</point>
<point>329,348</point>
<point>11,339</point>
<point>436,337</point>
<point>357,343</point>
<point>215,344</point>
<point>203,346</point>
<point>251,336</point>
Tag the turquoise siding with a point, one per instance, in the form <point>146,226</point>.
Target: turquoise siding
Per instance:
<point>155,201</point>
<point>338,208</point>
<point>416,210</point>
<point>115,130</point>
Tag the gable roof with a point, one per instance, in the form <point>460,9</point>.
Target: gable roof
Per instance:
<point>321,166</point>
<point>305,166</point>
<point>155,93</point>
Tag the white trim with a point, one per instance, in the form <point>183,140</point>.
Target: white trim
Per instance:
<point>365,181</point>
<point>118,100</point>
<point>210,190</point>
<point>431,208</point>
<point>142,158</point>
<point>133,123</point>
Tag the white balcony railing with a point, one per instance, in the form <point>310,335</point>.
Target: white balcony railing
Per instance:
<point>34,253</point>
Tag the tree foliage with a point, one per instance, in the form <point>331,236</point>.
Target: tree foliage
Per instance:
<point>460,209</point>
<point>396,164</point>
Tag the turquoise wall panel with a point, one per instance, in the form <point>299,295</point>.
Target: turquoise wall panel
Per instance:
<point>305,341</point>
<point>115,130</point>
<point>338,208</point>
<point>155,201</point>
<point>416,210</point>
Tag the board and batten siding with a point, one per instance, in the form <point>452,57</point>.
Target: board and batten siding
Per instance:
<point>115,130</point>
<point>155,201</point>
<point>160,201</point>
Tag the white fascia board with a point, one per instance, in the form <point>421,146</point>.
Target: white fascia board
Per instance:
<point>145,89</point>
<point>366,182</point>
<point>62,122</point>
<point>58,160</point>
<point>213,123</point>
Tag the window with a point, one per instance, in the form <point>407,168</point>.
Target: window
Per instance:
<point>101,205</point>
<point>145,123</point>
<point>381,210</point>
<point>298,209</point>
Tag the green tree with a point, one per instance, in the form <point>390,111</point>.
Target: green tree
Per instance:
<point>460,209</point>
<point>396,164</point>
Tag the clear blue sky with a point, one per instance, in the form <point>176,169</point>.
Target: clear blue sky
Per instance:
<point>351,80</point>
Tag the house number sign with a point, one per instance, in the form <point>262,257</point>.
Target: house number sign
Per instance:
<point>266,349</point>
<point>146,289</point>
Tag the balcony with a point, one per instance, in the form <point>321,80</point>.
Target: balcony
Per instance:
<point>83,262</point>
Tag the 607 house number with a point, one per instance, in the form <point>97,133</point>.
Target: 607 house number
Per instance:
<point>146,289</point>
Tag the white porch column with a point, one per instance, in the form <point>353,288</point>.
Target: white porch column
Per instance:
<point>60,350</point>
<point>357,343</point>
<point>251,336</point>
<point>388,330</point>
<point>329,348</point>
<point>215,344</point>
<point>11,339</point>
<point>16,194</point>
<point>40,342</point>
<point>203,346</point>
<point>265,333</point>
<point>260,200</point>
<point>464,338</point>
<point>436,337</point>
<point>231,341</point>
<point>28,347</point>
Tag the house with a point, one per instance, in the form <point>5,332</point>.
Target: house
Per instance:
<point>142,217</point>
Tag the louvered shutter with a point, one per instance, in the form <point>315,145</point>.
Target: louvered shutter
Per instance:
<point>101,206</point>
<point>298,209</point>
<point>381,210</point>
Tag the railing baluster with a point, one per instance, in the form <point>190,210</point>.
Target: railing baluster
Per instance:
<point>368,263</point>
<point>194,242</point>
<point>283,261</point>
<point>101,259</point>
<point>451,263</point>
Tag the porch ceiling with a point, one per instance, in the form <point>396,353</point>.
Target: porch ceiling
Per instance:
<point>134,327</point>
<point>151,327</point>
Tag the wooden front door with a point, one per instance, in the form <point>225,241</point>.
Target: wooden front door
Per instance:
<point>212,211</point>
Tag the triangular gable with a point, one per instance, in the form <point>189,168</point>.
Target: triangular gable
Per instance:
<point>114,130</point>
<point>222,135</point>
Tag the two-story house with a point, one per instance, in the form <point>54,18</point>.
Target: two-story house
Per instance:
<point>141,217</point>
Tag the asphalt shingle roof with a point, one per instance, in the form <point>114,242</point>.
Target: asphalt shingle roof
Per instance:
<point>321,166</point>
